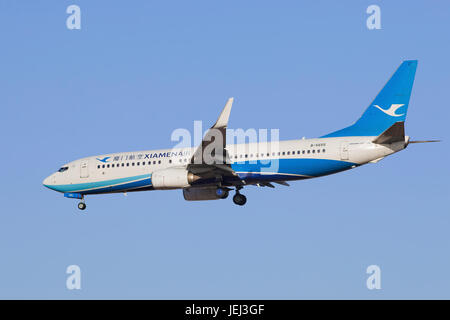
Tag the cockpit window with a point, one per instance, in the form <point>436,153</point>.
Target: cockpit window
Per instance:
<point>62,169</point>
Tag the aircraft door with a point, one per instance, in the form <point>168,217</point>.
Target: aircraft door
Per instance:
<point>344,151</point>
<point>84,169</point>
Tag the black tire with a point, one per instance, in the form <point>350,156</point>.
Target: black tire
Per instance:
<point>81,206</point>
<point>222,193</point>
<point>239,199</point>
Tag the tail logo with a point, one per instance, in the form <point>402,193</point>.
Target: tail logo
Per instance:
<point>391,111</point>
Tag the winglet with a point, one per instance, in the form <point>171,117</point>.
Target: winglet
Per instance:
<point>222,121</point>
<point>217,135</point>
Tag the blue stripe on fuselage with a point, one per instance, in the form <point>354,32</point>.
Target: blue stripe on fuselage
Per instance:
<point>145,183</point>
<point>305,168</point>
<point>106,185</point>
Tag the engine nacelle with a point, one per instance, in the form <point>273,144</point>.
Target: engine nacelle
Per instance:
<point>207,193</point>
<point>172,178</point>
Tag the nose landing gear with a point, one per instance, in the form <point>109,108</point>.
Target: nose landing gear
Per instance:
<point>76,195</point>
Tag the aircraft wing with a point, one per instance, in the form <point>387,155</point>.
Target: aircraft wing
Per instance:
<point>270,185</point>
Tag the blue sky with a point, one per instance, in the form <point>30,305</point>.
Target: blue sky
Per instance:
<point>137,71</point>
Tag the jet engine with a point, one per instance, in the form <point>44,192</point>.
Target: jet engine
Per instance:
<point>208,193</point>
<point>173,178</point>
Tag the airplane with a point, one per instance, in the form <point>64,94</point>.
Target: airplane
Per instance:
<point>211,170</point>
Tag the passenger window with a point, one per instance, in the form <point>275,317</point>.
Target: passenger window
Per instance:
<point>314,151</point>
<point>323,150</point>
<point>128,164</point>
<point>107,166</point>
<point>103,166</point>
<point>159,161</point>
<point>288,152</point>
<point>309,151</point>
<point>284,153</point>
<point>98,167</point>
<point>170,161</point>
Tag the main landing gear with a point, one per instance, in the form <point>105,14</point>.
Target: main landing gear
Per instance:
<point>239,198</point>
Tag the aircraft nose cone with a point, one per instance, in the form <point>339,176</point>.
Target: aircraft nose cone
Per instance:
<point>47,181</point>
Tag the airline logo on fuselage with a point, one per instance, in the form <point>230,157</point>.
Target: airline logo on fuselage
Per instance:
<point>391,111</point>
<point>104,160</point>
<point>145,156</point>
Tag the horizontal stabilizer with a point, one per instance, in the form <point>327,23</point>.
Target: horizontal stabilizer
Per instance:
<point>394,133</point>
<point>424,141</point>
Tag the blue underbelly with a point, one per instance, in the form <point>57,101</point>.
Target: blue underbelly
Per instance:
<point>289,168</point>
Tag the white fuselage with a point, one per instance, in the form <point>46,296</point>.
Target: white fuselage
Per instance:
<point>253,162</point>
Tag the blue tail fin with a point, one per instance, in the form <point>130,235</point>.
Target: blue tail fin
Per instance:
<point>388,107</point>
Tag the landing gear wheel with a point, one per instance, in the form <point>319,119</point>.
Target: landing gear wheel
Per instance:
<point>222,193</point>
<point>81,206</point>
<point>239,199</point>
